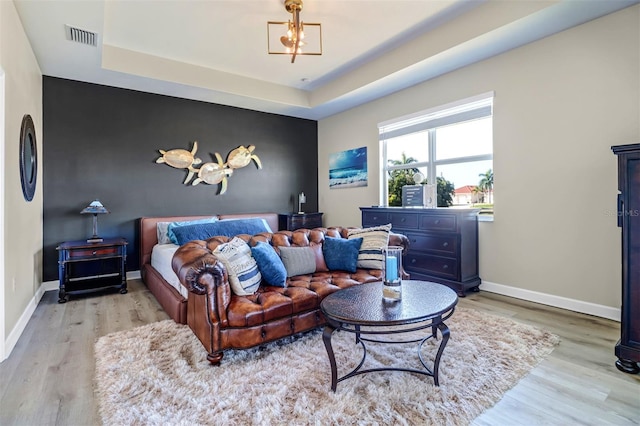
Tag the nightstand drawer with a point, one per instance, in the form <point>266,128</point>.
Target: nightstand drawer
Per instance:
<point>444,244</point>
<point>102,251</point>
<point>438,222</point>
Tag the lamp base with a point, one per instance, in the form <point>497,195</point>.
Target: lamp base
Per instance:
<point>95,240</point>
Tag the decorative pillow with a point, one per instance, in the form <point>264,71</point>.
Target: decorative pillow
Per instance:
<point>161,230</point>
<point>231,228</point>
<point>253,220</point>
<point>341,254</point>
<point>298,260</point>
<point>173,225</point>
<point>269,264</point>
<point>242,269</point>
<point>374,239</point>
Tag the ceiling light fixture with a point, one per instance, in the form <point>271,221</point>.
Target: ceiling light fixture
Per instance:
<point>294,37</point>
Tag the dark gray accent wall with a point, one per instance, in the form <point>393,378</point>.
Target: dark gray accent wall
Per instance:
<point>101,142</point>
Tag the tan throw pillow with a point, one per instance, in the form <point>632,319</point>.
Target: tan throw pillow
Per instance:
<point>374,239</point>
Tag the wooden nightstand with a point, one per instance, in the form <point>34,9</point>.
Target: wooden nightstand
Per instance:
<point>293,221</point>
<point>85,267</point>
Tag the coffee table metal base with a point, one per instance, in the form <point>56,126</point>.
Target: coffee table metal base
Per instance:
<point>435,324</point>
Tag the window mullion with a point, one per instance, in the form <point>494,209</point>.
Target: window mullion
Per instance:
<point>431,170</point>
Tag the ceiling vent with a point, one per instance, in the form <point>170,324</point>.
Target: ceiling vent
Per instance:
<point>81,36</point>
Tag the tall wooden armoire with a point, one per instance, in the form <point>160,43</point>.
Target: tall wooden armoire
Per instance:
<point>628,347</point>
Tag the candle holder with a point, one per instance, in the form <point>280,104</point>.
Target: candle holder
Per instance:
<point>392,273</point>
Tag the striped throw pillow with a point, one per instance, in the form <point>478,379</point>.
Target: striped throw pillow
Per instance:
<point>374,239</point>
<point>242,269</point>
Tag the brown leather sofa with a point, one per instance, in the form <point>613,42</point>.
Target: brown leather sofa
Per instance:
<point>223,320</point>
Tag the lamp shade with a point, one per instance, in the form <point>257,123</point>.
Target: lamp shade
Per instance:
<point>95,207</point>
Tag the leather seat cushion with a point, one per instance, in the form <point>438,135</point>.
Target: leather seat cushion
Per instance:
<point>303,293</point>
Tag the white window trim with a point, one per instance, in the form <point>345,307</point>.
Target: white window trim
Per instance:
<point>421,120</point>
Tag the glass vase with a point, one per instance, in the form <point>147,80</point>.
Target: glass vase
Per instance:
<point>392,273</point>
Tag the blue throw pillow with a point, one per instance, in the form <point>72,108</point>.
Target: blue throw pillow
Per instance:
<point>270,264</point>
<point>231,228</point>
<point>341,254</point>
<point>173,225</point>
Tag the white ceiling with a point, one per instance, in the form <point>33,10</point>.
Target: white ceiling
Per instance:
<point>216,50</point>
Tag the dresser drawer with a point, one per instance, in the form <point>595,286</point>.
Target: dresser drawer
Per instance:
<point>438,222</point>
<point>373,218</point>
<point>404,220</point>
<point>446,267</point>
<point>443,244</point>
<point>88,252</point>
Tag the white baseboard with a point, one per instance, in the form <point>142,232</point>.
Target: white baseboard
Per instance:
<point>552,300</point>
<point>12,338</point>
<point>16,332</point>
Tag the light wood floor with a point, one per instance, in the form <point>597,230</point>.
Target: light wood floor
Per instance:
<point>48,379</point>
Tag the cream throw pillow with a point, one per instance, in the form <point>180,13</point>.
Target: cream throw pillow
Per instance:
<point>374,239</point>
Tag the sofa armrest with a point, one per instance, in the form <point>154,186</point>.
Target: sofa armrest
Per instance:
<point>399,240</point>
<point>201,272</point>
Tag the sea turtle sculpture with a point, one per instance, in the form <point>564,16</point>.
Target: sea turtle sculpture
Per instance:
<point>181,159</point>
<point>213,173</point>
<point>241,157</point>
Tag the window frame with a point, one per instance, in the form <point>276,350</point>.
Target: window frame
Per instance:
<point>464,110</point>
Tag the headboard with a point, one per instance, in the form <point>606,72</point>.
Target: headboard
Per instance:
<point>149,235</point>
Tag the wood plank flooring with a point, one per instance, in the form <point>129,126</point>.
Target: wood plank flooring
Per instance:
<point>48,379</point>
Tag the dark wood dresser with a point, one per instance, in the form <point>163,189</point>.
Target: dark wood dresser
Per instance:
<point>628,211</point>
<point>293,221</point>
<point>443,243</point>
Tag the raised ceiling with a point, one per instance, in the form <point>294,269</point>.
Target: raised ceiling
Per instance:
<point>216,50</point>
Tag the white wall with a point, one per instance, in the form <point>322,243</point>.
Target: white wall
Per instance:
<point>560,103</point>
<point>22,230</point>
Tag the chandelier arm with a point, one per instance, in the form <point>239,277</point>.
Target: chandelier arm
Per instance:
<point>296,35</point>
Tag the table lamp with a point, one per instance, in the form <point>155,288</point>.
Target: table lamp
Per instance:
<point>301,200</point>
<point>95,208</point>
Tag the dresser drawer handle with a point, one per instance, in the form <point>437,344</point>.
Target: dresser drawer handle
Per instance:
<point>413,261</point>
<point>95,252</point>
<point>445,266</point>
<point>445,244</point>
<point>375,218</point>
<point>404,219</point>
<point>437,221</point>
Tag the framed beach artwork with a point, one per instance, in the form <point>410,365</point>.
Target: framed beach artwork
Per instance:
<point>348,169</point>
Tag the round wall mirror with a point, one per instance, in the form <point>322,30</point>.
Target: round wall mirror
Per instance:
<point>28,157</point>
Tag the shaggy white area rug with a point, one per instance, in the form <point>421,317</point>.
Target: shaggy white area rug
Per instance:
<point>158,374</point>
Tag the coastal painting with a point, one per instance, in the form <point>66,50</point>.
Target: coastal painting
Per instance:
<point>348,169</point>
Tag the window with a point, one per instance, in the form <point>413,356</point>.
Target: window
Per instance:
<point>451,146</point>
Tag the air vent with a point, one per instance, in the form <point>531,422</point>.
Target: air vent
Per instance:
<point>81,36</point>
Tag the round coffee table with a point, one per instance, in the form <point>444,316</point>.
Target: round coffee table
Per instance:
<point>424,305</point>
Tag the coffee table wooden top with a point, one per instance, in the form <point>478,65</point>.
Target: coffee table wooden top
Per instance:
<point>363,304</point>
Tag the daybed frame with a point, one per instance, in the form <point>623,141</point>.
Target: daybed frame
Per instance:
<point>174,304</point>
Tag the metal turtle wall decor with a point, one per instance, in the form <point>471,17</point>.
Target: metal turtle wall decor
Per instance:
<point>181,159</point>
<point>211,173</point>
